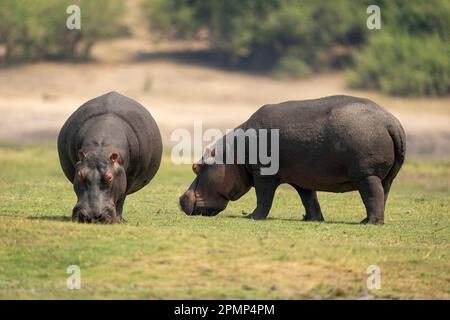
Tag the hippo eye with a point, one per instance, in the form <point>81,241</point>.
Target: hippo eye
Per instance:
<point>80,176</point>
<point>108,178</point>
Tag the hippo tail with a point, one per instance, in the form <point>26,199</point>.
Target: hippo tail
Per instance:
<point>398,137</point>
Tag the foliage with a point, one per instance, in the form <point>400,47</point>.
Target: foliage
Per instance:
<point>33,29</point>
<point>261,33</point>
<point>408,56</point>
<point>403,65</point>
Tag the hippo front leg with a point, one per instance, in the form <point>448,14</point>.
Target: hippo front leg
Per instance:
<point>265,191</point>
<point>119,210</point>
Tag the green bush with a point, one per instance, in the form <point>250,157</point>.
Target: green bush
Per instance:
<point>417,17</point>
<point>403,65</point>
<point>290,66</point>
<point>174,19</point>
<point>31,30</point>
<point>410,55</point>
<point>262,33</point>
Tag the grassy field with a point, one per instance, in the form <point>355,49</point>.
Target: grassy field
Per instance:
<point>162,253</point>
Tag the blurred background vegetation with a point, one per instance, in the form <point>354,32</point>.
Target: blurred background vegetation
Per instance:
<point>36,29</point>
<point>409,55</point>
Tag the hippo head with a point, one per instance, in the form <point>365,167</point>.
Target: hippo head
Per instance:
<point>99,183</point>
<point>215,184</point>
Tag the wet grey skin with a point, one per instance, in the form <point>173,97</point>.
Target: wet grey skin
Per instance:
<point>109,148</point>
<point>333,144</point>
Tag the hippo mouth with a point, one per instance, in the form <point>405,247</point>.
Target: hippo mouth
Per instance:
<point>192,207</point>
<point>193,203</point>
<point>209,212</point>
<point>106,218</point>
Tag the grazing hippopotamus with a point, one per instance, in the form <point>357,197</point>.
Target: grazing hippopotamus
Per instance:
<point>108,148</point>
<point>334,144</point>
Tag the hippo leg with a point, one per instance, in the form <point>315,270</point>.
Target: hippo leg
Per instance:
<point>311,204</point>
<point>373,196</point>
<point>386,188</point>
<point>265,191</point>
<point>119,210</point>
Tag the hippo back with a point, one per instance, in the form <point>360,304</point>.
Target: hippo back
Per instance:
<point>145,145</point>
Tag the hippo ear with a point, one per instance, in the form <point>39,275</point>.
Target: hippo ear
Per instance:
<point>196,168</point>
<point>207,153</point>
<point>81,154</point>
<point>115,158</point>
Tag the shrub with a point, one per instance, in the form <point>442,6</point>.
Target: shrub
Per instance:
<point>403,65</point>
<point>417,17</point>
<point>291,66</point>
<point>31,30</point>
<point>410,55</point>
<point>261,33</point>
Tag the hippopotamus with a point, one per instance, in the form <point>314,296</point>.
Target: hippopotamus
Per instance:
<point>109,148</point>
<point>333,144</point>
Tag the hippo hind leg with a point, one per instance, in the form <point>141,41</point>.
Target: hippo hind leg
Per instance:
<point>386,188</point>
<point>311,204</point>
<point>373,196</point>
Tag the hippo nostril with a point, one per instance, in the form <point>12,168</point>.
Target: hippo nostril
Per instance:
<point>84,214</point>
<point>184,204</point>
<point>181,203</point>
<point>187,202</point>
<point>107,214</point>
<point>98,215</point>
<point>76,210</point>
<point>78,214</point>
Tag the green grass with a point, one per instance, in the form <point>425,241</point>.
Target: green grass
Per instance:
<point>162,253</point>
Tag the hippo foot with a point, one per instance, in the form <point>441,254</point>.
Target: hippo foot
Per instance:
<point>254,217</point>
<point>112,220</point>
<point>372,221</point>
<point>246,215</point>
<point>121,220</point>
<point>316,218</point>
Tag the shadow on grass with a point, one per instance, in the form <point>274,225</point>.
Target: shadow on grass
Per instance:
<point>68,219</point>
<point>297,220</point>
<point>51,218</point>
<point>344,222</point>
